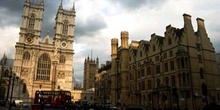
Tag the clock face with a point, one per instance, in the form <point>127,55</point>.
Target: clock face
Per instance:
<point>29,40</point>
<point>63,44</point>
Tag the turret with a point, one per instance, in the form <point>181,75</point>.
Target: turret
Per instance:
<point>114,44</point>
<point>124,39</point>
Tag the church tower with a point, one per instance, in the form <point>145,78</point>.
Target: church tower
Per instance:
<point>63,40</point>
<point>32,19</point>
<point>90,70</point>
<point>42,63</point>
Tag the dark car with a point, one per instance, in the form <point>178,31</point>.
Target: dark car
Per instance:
<point>2,102</point>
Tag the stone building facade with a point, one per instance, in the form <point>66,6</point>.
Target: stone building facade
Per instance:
<point>90,69</point>
<point>178,70</point>
<point>103,84</point>
<point>40,62</point>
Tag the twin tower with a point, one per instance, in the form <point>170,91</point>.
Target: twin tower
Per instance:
<point>44,62</point>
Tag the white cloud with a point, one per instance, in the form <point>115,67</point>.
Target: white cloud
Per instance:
<point>9,37</point>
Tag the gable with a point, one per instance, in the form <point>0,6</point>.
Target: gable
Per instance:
<point>47,40</point>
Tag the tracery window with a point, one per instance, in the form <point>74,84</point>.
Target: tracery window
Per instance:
<point>65,28</point>
<point>31,21</point>
<point>26,56</point>
<point>62,59</point>
<point>43,67</point>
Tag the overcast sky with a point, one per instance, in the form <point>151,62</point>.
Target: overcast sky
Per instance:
<point>98,21</point>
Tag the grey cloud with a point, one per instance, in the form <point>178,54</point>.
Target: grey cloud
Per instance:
<point>91,26</point>
<point>135,4</point>
<point>10,12</point>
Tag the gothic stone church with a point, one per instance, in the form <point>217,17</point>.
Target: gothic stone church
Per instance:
<point>44,64</point>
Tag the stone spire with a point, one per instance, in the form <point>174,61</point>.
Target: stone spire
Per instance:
<point>61,5</point>
<point>73,6</point>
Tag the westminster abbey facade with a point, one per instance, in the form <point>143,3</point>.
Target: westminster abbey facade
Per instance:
<point>44,62</point>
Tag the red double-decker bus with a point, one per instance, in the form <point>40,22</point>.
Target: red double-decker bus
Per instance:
<point>52,98</point>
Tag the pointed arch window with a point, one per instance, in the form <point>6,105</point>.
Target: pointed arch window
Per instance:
<point>26,56</point>
<point>31,21</point>
<point>65,28</point>
<point>43,67</point>
<point>62,59</point>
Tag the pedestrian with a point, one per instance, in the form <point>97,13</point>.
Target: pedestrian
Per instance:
<point>212,105</point>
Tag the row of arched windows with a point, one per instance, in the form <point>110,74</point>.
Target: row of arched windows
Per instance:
<point>26,56</point>
<point>183,79</point>
<point>32,23</point>
<point>44,65</point>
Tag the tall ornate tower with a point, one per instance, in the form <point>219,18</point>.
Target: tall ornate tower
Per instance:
<point>114,71</point>
<point>63,40</point>
<point>45,63</point>
<point>119,69</point>
<point>32,19</point>
<point>124,56</point>
<point>90,69</point>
